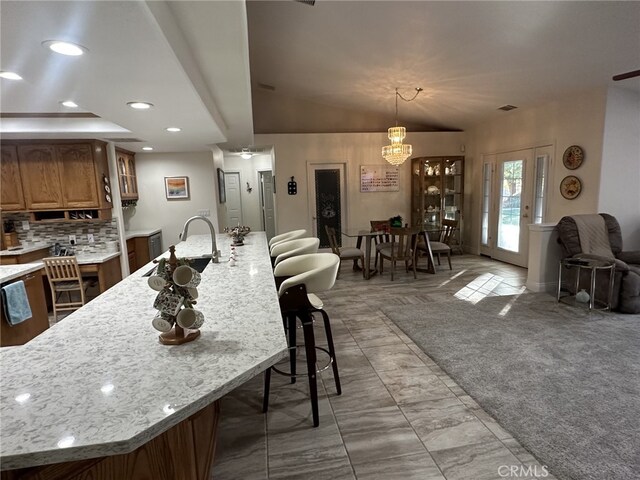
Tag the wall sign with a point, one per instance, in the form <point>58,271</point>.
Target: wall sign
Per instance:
<point>379,178</point>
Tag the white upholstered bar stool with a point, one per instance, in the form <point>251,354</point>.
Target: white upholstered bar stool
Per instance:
<point>304,276</point>
<point>293,248</point>
<point>283,237</point>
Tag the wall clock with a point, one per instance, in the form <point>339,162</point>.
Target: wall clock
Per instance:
<point>573,157</point>
<point>570,187</point>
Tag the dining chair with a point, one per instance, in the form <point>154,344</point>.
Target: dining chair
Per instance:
<point>384,239</point>
<point>344,253</point>
<point>299,279</point>
<point>64,276</point>
<point>443,247</point>
<point>293,248</point>
<point>402,248</point>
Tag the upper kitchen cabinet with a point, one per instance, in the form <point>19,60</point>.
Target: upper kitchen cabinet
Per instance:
<point>40,177</point>
<point>78,173</point>
<point>11,194</point>
<point>126,163</point>
<point>55,175</point>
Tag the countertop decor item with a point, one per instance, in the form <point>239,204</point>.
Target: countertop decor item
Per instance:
<point>573,157</point>
<point>570,187</point>
<point>237,234</point>
<point>178,321</point>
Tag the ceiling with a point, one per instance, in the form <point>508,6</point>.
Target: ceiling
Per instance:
<point>222,70</point>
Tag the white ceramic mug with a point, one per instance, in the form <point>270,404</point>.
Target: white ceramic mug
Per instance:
<point>190,318</point>
<point>162,322</point>
<point>156,282</point>
<point>186,276</point>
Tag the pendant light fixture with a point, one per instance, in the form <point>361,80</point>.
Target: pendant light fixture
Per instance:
<point>398,152</point>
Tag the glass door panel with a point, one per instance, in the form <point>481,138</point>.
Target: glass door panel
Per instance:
<point>510,202</point>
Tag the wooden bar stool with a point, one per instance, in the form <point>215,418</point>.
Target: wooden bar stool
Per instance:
<point>64,276</point>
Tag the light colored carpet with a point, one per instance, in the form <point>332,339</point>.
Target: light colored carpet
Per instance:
<point>563,381</point>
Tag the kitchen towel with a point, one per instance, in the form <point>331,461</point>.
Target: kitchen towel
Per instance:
<point>16,303</point>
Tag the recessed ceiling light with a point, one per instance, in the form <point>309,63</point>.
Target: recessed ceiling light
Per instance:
<point>69,104</point>
<point>10,75</point>
<point>148,149</point>
<point>173,129</point>
<point>140,105</point>
<point>64,48</point>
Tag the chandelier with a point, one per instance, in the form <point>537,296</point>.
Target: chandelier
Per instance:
<point>398,152</point>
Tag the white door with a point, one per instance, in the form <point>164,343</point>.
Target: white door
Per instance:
<point>507,206</point>
<point>326,199</point>
<point>234,198</point>
<point>267,205</point>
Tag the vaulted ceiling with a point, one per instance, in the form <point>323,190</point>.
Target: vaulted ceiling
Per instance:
<point>222,70</point>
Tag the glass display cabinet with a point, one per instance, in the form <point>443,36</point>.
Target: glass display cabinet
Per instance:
<point>437,193</point>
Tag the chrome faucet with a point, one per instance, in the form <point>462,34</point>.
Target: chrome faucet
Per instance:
<point>215,253</point>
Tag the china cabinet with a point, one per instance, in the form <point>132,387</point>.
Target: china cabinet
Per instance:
<point>126,164</point>
<point>437,193</point>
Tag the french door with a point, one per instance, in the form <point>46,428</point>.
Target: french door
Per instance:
<point>506,206</point>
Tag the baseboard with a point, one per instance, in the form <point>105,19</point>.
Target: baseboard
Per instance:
<point>538,287</point>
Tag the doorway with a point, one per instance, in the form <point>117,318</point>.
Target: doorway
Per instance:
<point>234,198</point>
<point>267,205</point>
<point>506,205</point>
<point>326,199</point>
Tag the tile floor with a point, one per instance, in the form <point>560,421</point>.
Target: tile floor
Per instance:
<point>399,416</point>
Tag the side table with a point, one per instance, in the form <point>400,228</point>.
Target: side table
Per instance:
<point>593,266</point>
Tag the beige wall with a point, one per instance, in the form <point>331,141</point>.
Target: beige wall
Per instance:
<point>293,152</point>
<point>575,120</point>
<point>155,211</point>
<point>248,169</point>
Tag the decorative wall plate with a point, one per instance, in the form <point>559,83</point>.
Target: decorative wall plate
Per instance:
<point>570,187</point>
<point>107,188</point>
<point>107,197</point>
<point>573,157</point>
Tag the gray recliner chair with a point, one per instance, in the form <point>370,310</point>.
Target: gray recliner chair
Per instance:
<point>626,286</point>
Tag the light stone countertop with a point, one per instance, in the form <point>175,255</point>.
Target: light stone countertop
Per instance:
<point>24,249</point>
<point>96,257</point>
<point>10,272</point>
<point>99,383</point>
<point>141,233</point>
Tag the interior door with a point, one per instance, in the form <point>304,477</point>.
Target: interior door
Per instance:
<point>267,204</point>
<point>506,209</point>
<point>326,199</point>
<point>234,198</point>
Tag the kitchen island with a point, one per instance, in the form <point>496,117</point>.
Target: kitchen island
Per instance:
<point>99,385</point>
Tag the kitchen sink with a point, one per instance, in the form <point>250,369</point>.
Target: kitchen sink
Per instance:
<point>198,264</point>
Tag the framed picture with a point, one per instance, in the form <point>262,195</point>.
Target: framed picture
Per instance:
<point>222,193</point>
<point>176,188</point>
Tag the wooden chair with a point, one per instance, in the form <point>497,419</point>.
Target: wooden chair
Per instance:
<point>383,240</point>
<point>347,253</point>
<point>64,275</point>
<point>442,247</point>
<point>402,248</point>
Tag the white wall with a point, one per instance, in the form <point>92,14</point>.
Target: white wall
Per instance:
<point>620,170</point>
<point>292,153</point>
<point>248,169</point>
<point>155,211</point>
<point>575,120</point>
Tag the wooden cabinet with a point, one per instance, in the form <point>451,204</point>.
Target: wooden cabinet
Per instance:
<point>78,173</point>
<point>437,192</point>
<point>40,177</point>
<point>23,332</point>
<point>21,258</point>
<point>56,175</point>
<point>131,253</point>
<point>12,197</point>
<point>126,164</point>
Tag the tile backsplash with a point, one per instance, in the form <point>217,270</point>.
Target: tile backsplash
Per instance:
<point>103,232</point>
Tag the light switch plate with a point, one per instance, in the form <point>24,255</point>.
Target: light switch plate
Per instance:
<point>90,238</point>
<point>72,239</point>
<point>25,225</point>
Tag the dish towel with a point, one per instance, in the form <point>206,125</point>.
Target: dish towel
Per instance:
<point>16,303</point>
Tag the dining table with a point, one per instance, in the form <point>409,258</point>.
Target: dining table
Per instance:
<point>368,236</point>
